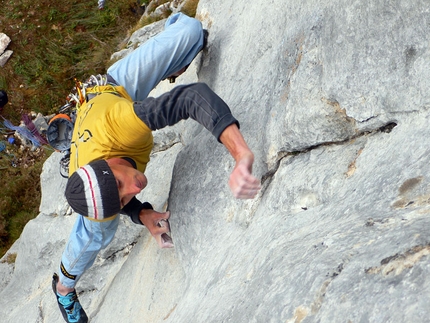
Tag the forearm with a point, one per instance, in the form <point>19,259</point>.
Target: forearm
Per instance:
<point>242,183</point>
<point>196,101</point>
<point>235,144</point>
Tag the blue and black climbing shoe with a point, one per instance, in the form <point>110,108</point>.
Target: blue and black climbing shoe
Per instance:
<point>69,305</point>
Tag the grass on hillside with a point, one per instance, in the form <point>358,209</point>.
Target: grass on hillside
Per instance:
<point>53,42</point>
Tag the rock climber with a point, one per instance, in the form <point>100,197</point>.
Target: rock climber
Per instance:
<point>112,140</point>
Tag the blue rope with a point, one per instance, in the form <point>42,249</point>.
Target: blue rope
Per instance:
<point>22,131</point>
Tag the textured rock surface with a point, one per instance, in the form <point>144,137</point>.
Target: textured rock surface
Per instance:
<point>4,42</point>
<point>4,54</point>
<point>333,99</point>
<point>5,57</point>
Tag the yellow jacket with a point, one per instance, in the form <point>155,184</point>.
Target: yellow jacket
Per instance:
<point>106,127</point>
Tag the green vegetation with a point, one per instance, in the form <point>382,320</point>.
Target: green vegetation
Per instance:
<point>10,258</point>
<point>190,7</point>
<point>56,41</point>
<point>53,42</point>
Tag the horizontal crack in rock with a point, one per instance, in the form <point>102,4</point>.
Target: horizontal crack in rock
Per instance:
<point>283,154</point>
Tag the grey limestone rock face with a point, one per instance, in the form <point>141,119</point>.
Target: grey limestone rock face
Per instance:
<point>5,57</point>
<point>333,99</point>
<point>4,42</point>
<point>5,53</point>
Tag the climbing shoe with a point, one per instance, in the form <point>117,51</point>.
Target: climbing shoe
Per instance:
<point>69,305</point>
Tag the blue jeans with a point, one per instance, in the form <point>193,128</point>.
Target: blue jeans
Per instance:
<point>86,240</point>
<point>159,57</point>
<point>139,72</point>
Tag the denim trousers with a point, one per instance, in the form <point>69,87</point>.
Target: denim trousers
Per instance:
<point>139,72</point>
<point>159,57</point>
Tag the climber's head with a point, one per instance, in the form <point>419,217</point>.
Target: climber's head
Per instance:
<point>102,188</point>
